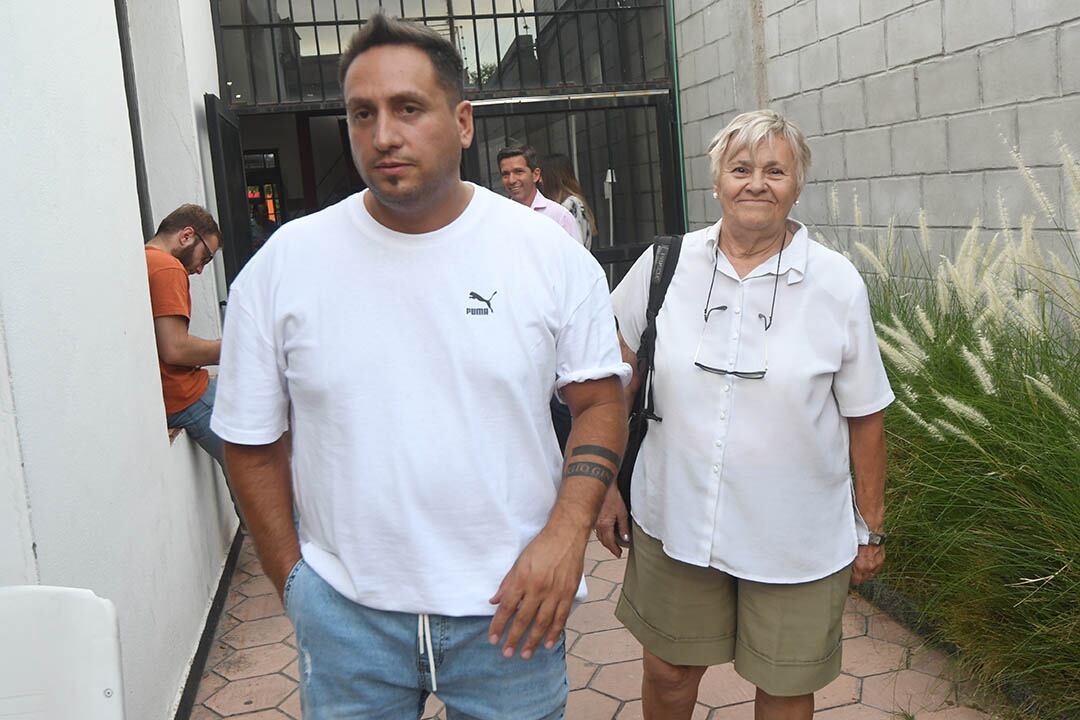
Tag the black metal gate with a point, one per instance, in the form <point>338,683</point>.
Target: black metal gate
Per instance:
<point>227,157</point>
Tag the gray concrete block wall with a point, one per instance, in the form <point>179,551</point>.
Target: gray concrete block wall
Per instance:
<point>908,103</point>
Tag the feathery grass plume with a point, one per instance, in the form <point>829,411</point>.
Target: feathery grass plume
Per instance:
<point>930,429</point>
<point>899,333</point>
<point>1072,171</point>
<point>1026,307</point>
<point>1032,183</point>
<point>953,430</point>
<point>872,258</point>
<point>924,322</point>
<point>1042,384</point>
<point>834,205</point>
<point>924,232</point>
<point>941,287</point>
<point>855,205</point>
<point>1003,215</point>
<point>962,409</point>
<point>969,260</point>
<point>986,348</point>
<point>979,370</point>
<point>898,358</point>
<point>909,392</point>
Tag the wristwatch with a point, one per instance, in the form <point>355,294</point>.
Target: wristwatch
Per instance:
<point>876,538</point>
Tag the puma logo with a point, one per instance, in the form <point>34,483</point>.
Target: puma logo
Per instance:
<point>487,301</point>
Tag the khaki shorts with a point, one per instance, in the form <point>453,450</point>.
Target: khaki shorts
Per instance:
<point>785,639</point>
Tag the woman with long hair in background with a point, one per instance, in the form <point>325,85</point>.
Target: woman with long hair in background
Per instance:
<point>560,185</point>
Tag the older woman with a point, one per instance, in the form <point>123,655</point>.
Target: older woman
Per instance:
<point>747,527</point>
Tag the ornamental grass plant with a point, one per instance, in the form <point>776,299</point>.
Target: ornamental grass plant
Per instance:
<point>982,350</point>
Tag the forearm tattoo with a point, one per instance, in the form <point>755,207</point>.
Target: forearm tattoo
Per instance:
<point>591,469</point>
<point>598,451</point>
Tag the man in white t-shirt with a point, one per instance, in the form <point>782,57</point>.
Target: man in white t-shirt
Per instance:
<point>410,337</point>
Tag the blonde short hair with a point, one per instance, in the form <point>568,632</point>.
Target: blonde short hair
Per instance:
<point>749,130</point>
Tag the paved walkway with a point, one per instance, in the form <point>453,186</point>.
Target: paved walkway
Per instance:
<point>888,674</point>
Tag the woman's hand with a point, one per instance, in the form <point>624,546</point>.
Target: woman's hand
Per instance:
<point>868,563</point>
<point>613,523</point>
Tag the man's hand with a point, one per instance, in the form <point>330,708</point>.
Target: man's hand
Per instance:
<point>613,524</point>
<point>539,589</point>
<point>868,563</point>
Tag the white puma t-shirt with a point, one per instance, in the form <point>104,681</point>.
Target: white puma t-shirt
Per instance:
<point>415,372</point>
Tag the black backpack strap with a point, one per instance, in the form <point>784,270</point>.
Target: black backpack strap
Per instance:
<point>665,257</point>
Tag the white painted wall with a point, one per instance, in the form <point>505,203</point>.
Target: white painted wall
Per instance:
<point>112,506</point>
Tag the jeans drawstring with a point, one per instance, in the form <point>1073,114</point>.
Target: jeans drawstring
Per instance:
<point>423,634</point>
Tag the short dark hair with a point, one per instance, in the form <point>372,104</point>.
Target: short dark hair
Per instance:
<point>382,30</point>
<point>189,215</point>
<point>526,151</point>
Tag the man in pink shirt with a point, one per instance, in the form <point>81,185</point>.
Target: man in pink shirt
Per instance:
<point>520,175</point>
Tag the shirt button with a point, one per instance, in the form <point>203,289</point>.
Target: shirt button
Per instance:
<point>725,388</point>
<point>738,311</point>
<point>716,469</point>
<point>719,443</point>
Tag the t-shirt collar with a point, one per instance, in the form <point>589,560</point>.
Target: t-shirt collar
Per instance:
<point>793,259</point>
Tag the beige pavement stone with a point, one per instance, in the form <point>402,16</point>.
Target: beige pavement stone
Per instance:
<point>844,690</point>
<point>209,684</point>
<point>571,638</point>
<point>234,598</point>
<point>579,672</point>
<point>258,585</point>
<point>608,646</point>
<point>245,696</point>
<point>226,624</point>
<point>589,566</point>
<point>590,705</point>
<point>854,625</point>
<point>936,662</point>
<point>722,686</point>
<point>290,639</point>
<point>200,712</point>
<point>593,616</point>
<point>257,608</point>
<point>856,603</point>
<point>263,715</point>
<point>620,680</point>
<point>883,627</point>
<point>251,566</point>
<point>743,711</point>
<point>433,706</point>
<point>865,656</point>
<point>854,712</point>
<point>292,669</point>
<point>263,660</point>
<point>291,706</point>
<point>595,551</point>
<point>259,632</point>
<point>633,711</point>
<point>611,570</point>
<point>600,589</point>
<point>908,691</point>
<point>218,652</point>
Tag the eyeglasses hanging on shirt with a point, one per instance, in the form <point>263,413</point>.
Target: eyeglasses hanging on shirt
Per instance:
<point>767,321</point>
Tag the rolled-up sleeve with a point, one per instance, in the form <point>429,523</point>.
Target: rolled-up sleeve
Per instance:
<point>587,347</point>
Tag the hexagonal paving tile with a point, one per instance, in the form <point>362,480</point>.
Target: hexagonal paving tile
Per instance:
<point>936,662</point>
<point>859,604</point>
<point>292,669</point>
<point>433,706</point>
<point>599,589</point>
<point>218,652</point>
<point>261,693</point>
<point>259,632</point>
<point>590,705</point>
<point>854,625</point>
<point>632,711</point>
<point>256,608</point>
<point>722,686</point>
<point>200,712</point>
<point>256,586</point>
<point>264,715</point>
<point>611,570</point>
<point>884,627</point>
<point>595,551</point>
<point>262,660</point>
<point>579,672</point>
<point>209,684</point>
<point>291,706</point>
<point>620,680</point>
<point>854,712</point>
<point>593,616</point>
<point>844,690</point>
<point>608,646</point>
<point>908,691</point>
<point>865,656</point>
<point>743,711</point>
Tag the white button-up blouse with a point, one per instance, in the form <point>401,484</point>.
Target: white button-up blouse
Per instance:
<point>752,476</point>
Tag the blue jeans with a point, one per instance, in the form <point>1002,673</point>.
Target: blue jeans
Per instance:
<point>357,662</point>
<point>195,419</point>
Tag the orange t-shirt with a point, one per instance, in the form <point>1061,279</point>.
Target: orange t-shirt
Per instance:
<point>170,294</point>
